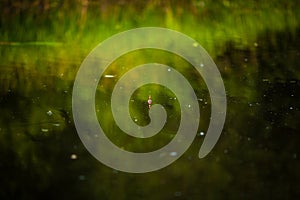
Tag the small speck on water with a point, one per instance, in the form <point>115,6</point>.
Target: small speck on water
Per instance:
<point>174,153</point>
<point>201,65</point>
<point>45,130</point>
<point>195,44</point>
<point>56,124</point>
<point>201,133</point>
<point>291,108</point>
<point>135,120</point>
<point>255,44</point>
<point>169,69</point>
<point>49,113</point>
<point>73,156</point>
<point>265,80</point>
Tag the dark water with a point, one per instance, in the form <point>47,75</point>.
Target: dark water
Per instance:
<point>256,157</point>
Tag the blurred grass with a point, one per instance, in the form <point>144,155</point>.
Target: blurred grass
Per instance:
<point>68,30</point>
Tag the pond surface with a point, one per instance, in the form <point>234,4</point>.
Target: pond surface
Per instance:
<point>256,157</point>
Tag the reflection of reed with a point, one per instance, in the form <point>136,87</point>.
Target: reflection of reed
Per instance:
<point>83,13</point>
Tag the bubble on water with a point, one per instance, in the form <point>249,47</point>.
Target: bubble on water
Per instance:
<point>169,70</point>
<point>291,108</point>
<point>81,177</point>
<point>255,44</point>
<point>45,130</point>
<point>189,106</point>
<point>201,133</point>
<point>265,80</point>
<point>195,44</point>
<point>246,59</point>
<point>294,155</point>
<point>56,124</point>
<point>73,156</point>
<point>201,65</point>
<point>49,113</point>
<point>177,194</point>
<point>174,153</point>
<point>135,120</point>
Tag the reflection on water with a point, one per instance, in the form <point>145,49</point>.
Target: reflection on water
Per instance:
<point>257,155</point>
